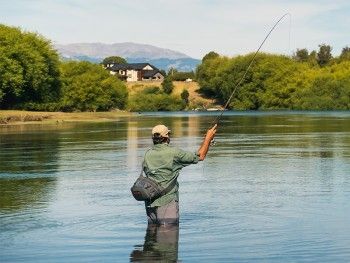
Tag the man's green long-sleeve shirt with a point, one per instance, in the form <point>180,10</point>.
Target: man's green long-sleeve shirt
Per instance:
<point>162,163</point>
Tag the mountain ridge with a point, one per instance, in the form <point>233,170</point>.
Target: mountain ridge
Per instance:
<point>124,49</point>
<point>133,52</point>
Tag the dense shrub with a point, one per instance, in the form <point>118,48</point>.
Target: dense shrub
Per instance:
<point>155,102</point>
<point>275,82</point>
<point>167,85</point>
<point>29,70</point>
<point>184,96</point>
<point>88,87</point>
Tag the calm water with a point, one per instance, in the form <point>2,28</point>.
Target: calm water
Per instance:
<point>274,188</point>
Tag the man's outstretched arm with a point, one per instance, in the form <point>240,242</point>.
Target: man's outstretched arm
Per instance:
<point>203,150</point>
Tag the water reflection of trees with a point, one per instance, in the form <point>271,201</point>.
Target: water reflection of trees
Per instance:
<point>19,194</point>
<point>27,160</point>
<point>294,135</point>
<point>29,153</point>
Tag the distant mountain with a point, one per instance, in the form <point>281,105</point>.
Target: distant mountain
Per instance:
<point>132,52</point>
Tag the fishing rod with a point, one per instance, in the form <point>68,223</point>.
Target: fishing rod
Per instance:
<point>217,119</point>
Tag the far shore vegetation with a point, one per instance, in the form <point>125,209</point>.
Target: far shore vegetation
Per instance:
<point>33,78</point>
<point>14,117</point>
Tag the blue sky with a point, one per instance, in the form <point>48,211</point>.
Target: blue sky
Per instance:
<point>193,27</point>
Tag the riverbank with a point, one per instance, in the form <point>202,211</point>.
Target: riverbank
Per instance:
<point>12,117</point>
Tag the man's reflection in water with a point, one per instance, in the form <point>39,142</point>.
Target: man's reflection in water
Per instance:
<point>161,245</point>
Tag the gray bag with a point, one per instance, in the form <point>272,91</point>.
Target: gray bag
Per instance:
<point>145,189</point>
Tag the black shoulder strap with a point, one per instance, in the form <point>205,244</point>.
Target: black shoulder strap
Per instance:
<point>165,190</point>
<point>143,165</point>
<point>169,187</point>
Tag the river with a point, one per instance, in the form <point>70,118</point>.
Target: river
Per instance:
<point>274,188</point>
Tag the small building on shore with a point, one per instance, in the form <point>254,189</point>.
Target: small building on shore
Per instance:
<point>135,71</point>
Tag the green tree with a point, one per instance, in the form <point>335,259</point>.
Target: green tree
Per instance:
<point>113,59</point>
<point>167,85</point>
<point>276,82</point>
<point>313,59</point>
<point>269,84</point>
<point>210,55</point>
<point>345,53</point>
<point>88,87</point>
<point>324,54</point>
<point>326,93</point>
<point>208,74</point>
<point>301,55</point>
<point>185,95</point>
<point>29,70</point>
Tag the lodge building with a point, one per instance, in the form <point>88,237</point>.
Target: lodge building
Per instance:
<point>135,71</point>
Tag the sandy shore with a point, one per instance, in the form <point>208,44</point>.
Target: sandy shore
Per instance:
<point>11,117</point>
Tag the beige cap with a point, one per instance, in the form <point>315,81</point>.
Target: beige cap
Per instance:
<point>161,129</point>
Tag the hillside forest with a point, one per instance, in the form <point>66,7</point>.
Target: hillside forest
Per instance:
<point>33,77</point>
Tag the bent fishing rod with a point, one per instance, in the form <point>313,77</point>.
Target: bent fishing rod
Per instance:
<point>217,119</point>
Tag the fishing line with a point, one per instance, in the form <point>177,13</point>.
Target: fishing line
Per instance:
<point>217,119</point>
<point>290,27</point>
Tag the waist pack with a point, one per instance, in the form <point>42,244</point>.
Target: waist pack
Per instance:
<point>145,189</point>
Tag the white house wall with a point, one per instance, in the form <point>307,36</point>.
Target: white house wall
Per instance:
<point>132,75</point>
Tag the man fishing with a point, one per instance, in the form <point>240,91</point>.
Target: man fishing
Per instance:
<point>162,163</point>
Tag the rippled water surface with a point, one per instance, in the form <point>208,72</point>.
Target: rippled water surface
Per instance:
<point>274,188</point>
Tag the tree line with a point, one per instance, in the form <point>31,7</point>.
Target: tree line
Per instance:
<point>306,81</point>
<point>33,77</point>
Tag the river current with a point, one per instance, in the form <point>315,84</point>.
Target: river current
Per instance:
<point>274,188</point>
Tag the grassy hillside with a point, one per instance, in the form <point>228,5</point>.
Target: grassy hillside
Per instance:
<point>196,100</point>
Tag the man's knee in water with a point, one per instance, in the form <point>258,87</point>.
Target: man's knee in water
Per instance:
<point>168,221</point>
